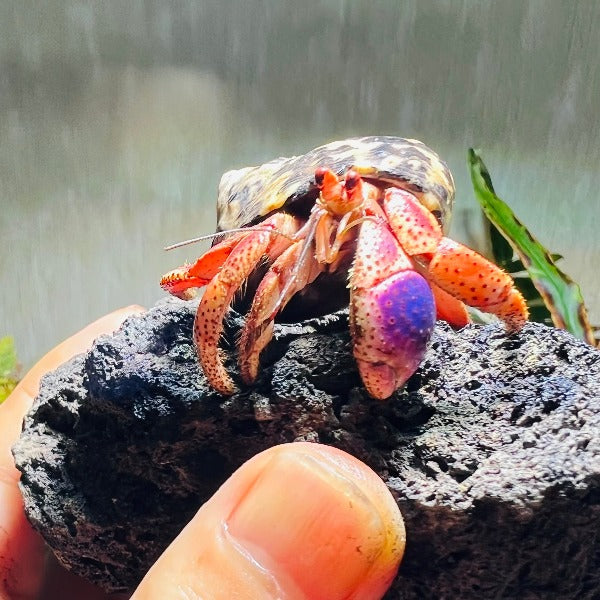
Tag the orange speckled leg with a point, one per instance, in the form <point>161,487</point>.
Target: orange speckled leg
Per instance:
<point>258,328</point>
<point>477,282</point>
<point>456,269</point>
<point>414,226</point>
<point>208,324</point>
<point>449,308</point>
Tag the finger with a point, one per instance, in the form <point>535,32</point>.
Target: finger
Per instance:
<point>298,521</point>
<point>22,551</point>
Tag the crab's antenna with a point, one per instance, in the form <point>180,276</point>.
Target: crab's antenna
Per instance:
<point>212,236</point>
<point>191,241</point>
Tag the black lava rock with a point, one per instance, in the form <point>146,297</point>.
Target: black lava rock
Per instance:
<point>492,449</point>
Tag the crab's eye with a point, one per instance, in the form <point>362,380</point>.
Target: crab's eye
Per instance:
<point>352,178</point>
<point>320,176</point>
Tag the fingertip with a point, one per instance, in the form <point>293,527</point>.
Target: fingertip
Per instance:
<point>296,521</point>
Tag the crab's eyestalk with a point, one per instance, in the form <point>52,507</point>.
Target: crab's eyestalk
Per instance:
<point>320,175</point>
<point>330,188</point>
<point>351,182</point>
<point>338,197</point>
<point>353,190</point>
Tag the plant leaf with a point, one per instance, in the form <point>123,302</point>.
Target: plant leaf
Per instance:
<point>560,293</point>
<point>8,367</point>
<point>8,356</point>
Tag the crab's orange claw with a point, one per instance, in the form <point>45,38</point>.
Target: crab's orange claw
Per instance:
<point>182,282</point>
<point>178,283</point>
<point>474,280</point>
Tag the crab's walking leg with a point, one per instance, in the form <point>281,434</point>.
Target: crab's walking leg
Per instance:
<point>392,311</point>
<point>456,269</point>
<point>449,308</point>
<point>242,260</point>
<point>477,282</point>
<point>258,329</point>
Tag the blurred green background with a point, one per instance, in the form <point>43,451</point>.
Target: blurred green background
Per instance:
<point>118,118</point>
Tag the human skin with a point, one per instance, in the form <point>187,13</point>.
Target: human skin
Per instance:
<point>298,521</point>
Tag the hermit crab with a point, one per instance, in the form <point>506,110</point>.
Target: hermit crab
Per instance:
<point>359,222</point>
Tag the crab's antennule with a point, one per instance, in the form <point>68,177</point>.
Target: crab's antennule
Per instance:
<point>357,222</point>
<point>211,236</point>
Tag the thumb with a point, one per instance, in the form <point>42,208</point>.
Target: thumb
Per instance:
<point>298,521</point>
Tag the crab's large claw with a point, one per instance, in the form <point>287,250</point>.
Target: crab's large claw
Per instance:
<point>392,311</point>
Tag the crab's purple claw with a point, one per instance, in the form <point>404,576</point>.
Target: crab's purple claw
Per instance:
<point>391,325</point>
<point>392,312</point>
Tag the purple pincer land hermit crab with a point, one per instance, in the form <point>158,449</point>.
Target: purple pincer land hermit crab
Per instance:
<point>365,215</point>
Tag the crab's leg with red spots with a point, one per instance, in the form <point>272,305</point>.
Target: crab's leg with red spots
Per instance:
<point>477,282</point>
<point>223,269</point>
<point>460,272</point>
<point>286,276</point>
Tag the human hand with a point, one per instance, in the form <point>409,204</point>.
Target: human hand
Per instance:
<point>296,521</point>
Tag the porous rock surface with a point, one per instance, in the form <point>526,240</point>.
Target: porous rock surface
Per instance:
<point>492,450</point>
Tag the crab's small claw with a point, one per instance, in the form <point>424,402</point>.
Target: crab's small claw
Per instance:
<point>392,311</point>
<point>183,281</point>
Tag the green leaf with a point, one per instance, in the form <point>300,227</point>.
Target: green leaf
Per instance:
<point>502,250</point>
<point>561,296</point>
<point>8,367</point>
<point>8,356</point>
